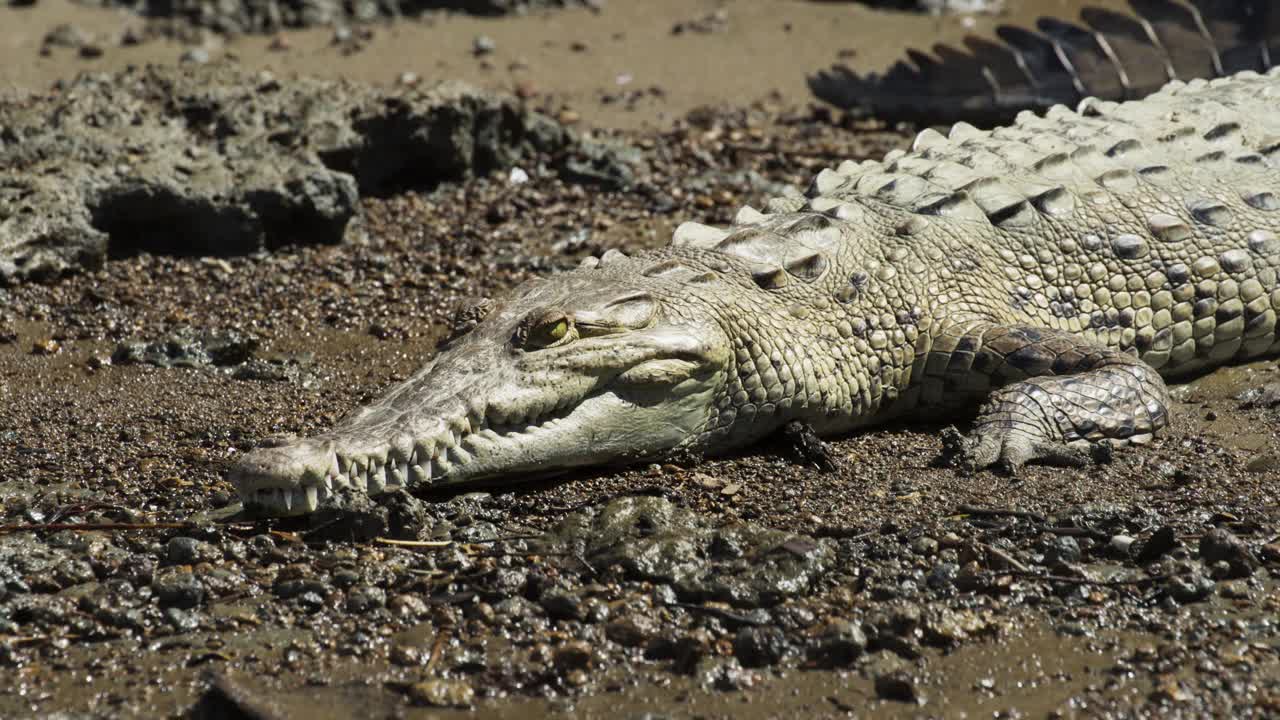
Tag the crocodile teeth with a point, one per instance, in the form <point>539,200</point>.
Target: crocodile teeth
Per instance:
<point>377,482</point>
<point>312,497</point>
<point>418,476</point>
<point>397,474</point>
<point>458,456</point>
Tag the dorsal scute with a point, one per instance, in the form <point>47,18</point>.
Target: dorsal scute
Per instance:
<point>793,245</point>
<point>957,205</point>
<point>692,234</point>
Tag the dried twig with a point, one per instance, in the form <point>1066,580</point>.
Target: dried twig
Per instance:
<point>414,543</point>
<point>1010,560</point>
<point>1032,575</point>
<point>998,512</point>
<point>54,527</point>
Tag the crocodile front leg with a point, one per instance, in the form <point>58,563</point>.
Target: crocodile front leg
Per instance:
<point>1057,395</point>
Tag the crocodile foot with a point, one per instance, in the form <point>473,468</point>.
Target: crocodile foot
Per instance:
<point>1010,448</point>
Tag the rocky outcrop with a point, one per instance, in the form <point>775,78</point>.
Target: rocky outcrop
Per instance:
<point>215,160</point>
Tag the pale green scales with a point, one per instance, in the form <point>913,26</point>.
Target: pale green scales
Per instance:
<point>1025,269</point>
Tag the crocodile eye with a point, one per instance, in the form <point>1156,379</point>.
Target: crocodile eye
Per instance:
<point>548,331</point>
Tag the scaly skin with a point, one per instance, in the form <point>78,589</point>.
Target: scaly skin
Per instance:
<point>1107,54</point>
<point>1050,272</point>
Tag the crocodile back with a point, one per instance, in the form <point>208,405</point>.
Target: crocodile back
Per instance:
<point>1106,54</point>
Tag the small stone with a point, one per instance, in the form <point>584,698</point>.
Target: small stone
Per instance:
<point>1265,462</point>
<point>91,50</point>
<point>760,646</point>
<point>1162,542</point>
<point>408,79</point>
<point>131,36</point>
<point>1219,545</point>
<point>633,631</point>
<point>841,643</point>
<point>1189,588</point>
<point>181,620</point>
<point>178,589</point>
<point>1062,549</point>
<point>925,546</point>
<point>195,56</point>
<point>561,605</point>
<point>897,686</point>
<point>46,346</point>
<point>1234,590</point>
<point>942,576</point>
<point>1271,553</point>
<point>483,45</point>
<point>575,655</point>
<point>189,551</point>
<point>407,605</point>
<point>1121,544</point>
<point>406,655</point>
<point>440,692</point>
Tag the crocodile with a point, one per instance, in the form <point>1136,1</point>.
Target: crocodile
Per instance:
<point>1107,54</point>
<point>1051,273</point>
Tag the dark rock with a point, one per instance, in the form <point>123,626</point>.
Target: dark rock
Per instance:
<point>181,620</point>
<point>1220,546</point>
<point>235,17</point>
<point>925,546</point>
<point>1161,543</point>
<point>349,515</point>
<point>1189,588</point>
<point>943,576</point>
<point>189,551</point>
<point>572,655</point>
<point>561,605</point>
<point>440,692</point>
<point>632,631</point>
<point>188,348</point>
<point>606,165</point>
<point>897,686</point>
<point>1267,396</point>
<point>1061,549</point>
<point>296,588</point>
<point>724,674</point>
<point>231,157</point>
<point>760,646</point>
<point>650,538</point>
<point>178,588</point>
<point>840,644</point>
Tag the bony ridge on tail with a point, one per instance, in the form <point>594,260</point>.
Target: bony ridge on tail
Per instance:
<point>1050,274</point>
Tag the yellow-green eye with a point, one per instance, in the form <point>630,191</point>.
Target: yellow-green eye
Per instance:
<point>557,330</point>
<point>547,332</point>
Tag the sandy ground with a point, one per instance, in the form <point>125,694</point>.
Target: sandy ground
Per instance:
<point>603,65</point>
<point>953,577</point>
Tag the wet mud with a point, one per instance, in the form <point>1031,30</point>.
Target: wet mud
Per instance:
<point>750,586</point>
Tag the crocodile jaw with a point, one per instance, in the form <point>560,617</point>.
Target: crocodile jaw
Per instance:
<point>294,478</point>
<point>488,408</point>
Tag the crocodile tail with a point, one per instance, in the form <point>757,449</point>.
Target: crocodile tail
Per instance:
<point>1106,54</point>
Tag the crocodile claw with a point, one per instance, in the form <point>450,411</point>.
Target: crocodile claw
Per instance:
<point>1009,450</point>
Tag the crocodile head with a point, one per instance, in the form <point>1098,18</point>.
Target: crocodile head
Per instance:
<point>587,368</point>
